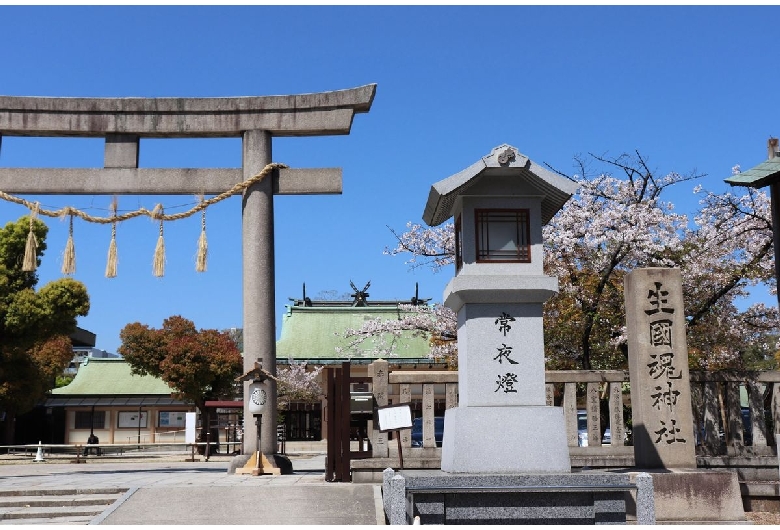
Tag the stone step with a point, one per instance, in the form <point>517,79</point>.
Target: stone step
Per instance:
<point>28,512</point>
<point>65,520</point>
<point>61,491</point>
<point>56,506</point>
<point>60,500</point>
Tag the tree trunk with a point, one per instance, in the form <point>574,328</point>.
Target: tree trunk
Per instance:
<point>205,425</point>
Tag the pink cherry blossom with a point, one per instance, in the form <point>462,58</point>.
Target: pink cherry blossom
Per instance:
<point>611,226</point>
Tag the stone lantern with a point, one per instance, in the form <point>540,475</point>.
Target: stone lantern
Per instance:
<point>502,423</point>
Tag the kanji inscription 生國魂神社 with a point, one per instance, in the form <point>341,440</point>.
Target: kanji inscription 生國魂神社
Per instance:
<point>658,366</point>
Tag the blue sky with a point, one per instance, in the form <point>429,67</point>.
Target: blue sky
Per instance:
<point>692,88</point>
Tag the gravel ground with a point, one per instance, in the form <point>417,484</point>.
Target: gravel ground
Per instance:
<point>763,517</point>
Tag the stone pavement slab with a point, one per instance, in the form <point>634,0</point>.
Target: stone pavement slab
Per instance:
<point>322,504</point>
<point>175,492</point>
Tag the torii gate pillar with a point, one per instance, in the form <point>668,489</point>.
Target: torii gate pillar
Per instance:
<point>256,120</point>
<point>258,277</point>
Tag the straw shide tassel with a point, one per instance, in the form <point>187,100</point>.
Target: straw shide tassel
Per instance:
<point>111,263</point>
<point>203,247</point>
<point>112,260</point>
<point>30,261</point>
<point>69,256</point>
<point>159,255</point>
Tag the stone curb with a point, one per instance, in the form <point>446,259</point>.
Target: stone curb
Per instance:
<point>117,503</point>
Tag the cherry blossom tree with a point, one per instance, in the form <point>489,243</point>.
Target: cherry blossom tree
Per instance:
<point>295,382</point>
<point>611,226</point>
<point>728,252</point>
<point>426,246</point>
<point>435,322</point>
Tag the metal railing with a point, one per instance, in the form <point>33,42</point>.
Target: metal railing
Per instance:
<point>81,451</point>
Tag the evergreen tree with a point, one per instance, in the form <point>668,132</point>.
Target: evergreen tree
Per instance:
<point>34,326</point>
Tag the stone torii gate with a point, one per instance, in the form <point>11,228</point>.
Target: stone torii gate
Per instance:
<point>256,120</point>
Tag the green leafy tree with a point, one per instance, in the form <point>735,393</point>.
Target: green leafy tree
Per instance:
<point>34,326</point>
<point>199,365</point>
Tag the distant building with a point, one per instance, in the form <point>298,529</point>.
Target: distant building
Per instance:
<point>83,342</point>
<point>119,407</point>
<point>313,332</point>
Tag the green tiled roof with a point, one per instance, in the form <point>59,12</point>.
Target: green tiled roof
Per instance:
<point>762,175</point>
<point>111,377</point>
<point>316,332</point>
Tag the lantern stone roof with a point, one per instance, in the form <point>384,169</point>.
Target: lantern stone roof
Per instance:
<point>762,175</point>
<point>503,161</point>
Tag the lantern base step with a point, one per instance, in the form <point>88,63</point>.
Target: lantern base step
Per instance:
<point>251,467</point>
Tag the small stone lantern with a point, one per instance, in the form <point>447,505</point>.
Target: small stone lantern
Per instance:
<point>502,423</point>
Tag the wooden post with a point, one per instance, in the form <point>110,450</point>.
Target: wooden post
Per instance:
<point>330,427</point>
<point>345,419</point>
<point>400,450</point>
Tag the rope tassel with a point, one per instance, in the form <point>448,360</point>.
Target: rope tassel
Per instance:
<point>112,261</point>
<point>30,261</point>
<point>203,247</point>
<point>159,255</point>
<point>69,256</point>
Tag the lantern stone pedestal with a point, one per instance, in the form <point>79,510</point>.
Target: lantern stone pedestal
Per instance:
<point>499,440</point>
<point>502,423</point>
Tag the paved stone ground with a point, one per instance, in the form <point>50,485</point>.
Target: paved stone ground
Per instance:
<point>166,490</point>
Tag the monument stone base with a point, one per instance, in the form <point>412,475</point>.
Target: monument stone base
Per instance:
<point>523,439</point>
<point>436,497</point>
<point>691,496</point>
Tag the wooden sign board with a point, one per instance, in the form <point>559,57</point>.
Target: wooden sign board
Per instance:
<point>394,417</point>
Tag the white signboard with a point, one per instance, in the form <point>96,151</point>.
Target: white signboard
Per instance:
<point>189,430</point>
<point>394,417</point>
<point>171,419</point>
<point>128,420</point>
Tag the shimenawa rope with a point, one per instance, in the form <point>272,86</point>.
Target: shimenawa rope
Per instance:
<point>30,257</point>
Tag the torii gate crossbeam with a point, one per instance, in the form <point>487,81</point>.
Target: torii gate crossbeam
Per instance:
<point>124,121</point>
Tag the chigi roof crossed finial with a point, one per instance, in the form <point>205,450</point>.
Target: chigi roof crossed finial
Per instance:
<point>502,161</point>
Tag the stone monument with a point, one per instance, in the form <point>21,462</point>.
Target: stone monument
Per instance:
<point>664,443</point>
<point>658,367</point>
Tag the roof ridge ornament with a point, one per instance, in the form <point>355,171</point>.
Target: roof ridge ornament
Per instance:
<point>506,156</point>
<point>360,295</point>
